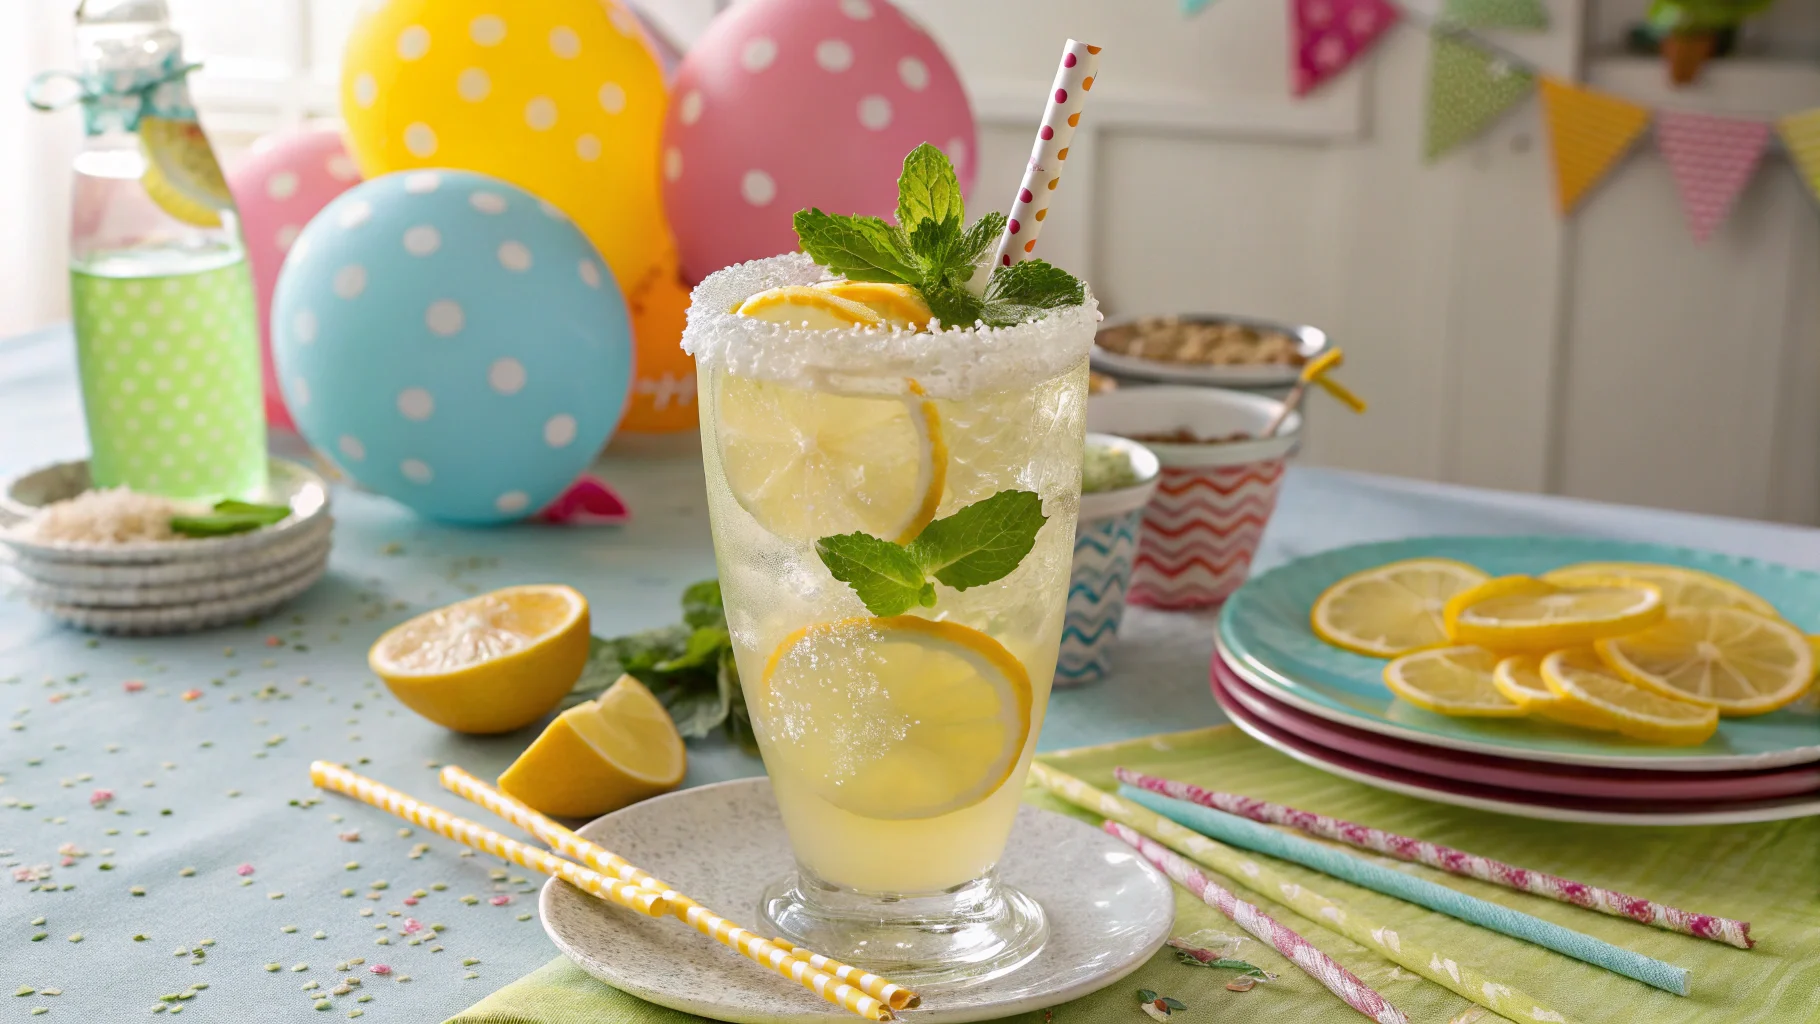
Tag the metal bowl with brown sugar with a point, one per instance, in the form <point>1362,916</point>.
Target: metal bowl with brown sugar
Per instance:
<point>1205,348</point>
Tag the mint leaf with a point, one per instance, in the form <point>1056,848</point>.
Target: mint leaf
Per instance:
<point>981,543</point>
<point>857,248</point>
<point>704,648</point>
<point>1029,289</point>
<point>702,605</point>
<point>929,191</point>
<point>886,578</point>
<point>934,243</point>
<point>977,239</point>
<point>953,304</point>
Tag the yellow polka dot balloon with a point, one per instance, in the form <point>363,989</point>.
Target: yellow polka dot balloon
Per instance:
<point>562,98</point>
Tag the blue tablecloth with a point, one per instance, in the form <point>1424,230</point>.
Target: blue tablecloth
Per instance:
<point>214,840</point>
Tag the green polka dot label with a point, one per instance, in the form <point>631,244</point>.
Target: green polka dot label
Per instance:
<point>170,382</point>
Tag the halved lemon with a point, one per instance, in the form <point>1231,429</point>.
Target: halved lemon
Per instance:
<point>811,464</point>
<point>816,309</point>
<point>600,756</point>
<point>1681,587</point>
<point>1519,677</point>
<point>1577,675</point>
<point>1522,613</point>
<point>1736,661</point>
<point>1455,681</point>
<point>899,304</point>
<point>895,718</point>
<point>1392,609</point>
<point>489,664</point>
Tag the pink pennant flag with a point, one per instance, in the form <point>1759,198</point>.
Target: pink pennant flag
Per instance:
<point>1326,36</point>
<point>1712,159</point>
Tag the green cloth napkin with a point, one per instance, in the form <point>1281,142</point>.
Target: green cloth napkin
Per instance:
<point>1766,874</point>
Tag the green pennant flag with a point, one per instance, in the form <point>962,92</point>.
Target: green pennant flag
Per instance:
<point>1528,14</point>
<point>1467,89</point>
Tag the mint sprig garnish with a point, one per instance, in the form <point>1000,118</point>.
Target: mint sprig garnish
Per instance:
<point>980,544</point>
<point>929,250</point>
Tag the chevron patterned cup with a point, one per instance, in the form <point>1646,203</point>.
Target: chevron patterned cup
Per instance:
<point>1105,547</point>
<point>1213,501</point>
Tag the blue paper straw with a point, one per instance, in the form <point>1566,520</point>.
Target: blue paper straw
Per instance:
<point>1264,839</point>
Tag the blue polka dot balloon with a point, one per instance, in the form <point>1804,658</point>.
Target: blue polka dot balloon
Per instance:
<point>453,342</point>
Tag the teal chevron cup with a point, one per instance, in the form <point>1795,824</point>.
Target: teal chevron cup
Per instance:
<point>1105,546</point>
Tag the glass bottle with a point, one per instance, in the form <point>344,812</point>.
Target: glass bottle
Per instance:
<point>167,336</point>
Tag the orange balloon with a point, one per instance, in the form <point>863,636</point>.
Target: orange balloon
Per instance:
<point>663,375</point>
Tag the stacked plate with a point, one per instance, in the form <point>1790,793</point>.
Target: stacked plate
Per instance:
<point>1329,708</point>
<point>168,586</point>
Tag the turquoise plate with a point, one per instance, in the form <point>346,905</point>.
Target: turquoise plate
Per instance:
<point>1264,635</point>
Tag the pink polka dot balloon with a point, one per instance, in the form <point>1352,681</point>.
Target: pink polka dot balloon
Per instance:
<point>787,104</point>
<point>283,182</point>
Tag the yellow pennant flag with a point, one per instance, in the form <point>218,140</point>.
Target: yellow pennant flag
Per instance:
<point>1587,131</point>
<point>1801,134</point>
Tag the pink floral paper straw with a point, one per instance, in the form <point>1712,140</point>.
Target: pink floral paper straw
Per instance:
<point>1061,115</point>
<point>1457,862</point>
<point>1318,965</point>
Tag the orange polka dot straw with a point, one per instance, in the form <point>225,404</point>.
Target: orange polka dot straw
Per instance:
<point>1073,80</point>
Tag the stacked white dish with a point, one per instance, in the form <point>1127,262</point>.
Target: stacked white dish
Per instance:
<point>172,586</point>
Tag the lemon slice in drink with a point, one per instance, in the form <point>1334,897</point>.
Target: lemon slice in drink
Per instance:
<point>1454,681</point>
<point>895,718</point>
<point>1392,609</point>
<point>816,309</point>
<point>811,464</point>
<point>182,175</point>
<point>1519,677</point>
<point>1522,613</point>
<point>1681,587</point>
<point>489,664</point>
<point>899,304</point>
<point>600,756</point>
<point>1584,681</point>
<point>1738,662</point>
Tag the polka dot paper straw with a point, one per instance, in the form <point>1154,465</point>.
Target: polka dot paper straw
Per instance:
<point>1073,80</point>
<point>1457,862</point>
<point>339,779</point>
<point>868,995</point>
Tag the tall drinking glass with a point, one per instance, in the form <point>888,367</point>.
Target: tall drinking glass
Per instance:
<point>897,745</point>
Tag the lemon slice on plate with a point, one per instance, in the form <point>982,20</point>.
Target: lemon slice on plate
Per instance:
<point>1522,613</point>
<point>811,464</point>
<point>600,756</point>
<point>1681,587</point>
<point>1453,681</point>
<point>1738,662</point>
<point>1519,677</point>
<point>1577,675</point>
<point>895,718</point>
<point>816,309</point>
<point>1392,609</point>
<point>899,304</point>
<point>489,664</point>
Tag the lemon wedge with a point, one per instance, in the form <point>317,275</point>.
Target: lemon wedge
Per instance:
<point>1519,677</point>
<point>895,718</point>
<point>1681,587</point>
<point>1738,662</point>
<point>1578,676</point>
<point>492,663</point>
<point>1392,609</point>
<point>182,175</point>
<point>899,304</point>
<point>600,756</point>
<point>811,464</point>
<point>815,309</point>
<point>1454,681</point>
<point>1522,613</point>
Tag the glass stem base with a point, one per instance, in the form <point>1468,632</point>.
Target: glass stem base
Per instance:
<point>937,941</point>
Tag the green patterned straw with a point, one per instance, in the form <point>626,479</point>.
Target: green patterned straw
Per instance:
<point>1460,979</point>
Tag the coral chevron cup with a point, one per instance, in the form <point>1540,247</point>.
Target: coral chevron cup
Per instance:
<point>1213,501</point>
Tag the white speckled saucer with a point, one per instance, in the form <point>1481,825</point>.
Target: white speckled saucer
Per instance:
<point>1108,911</point>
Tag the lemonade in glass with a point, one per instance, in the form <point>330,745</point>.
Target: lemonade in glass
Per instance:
<point>893,512</point>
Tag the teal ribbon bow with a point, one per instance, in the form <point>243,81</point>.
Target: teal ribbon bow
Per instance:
<point>116,101</point>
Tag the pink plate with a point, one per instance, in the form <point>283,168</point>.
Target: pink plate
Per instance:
<point>1520,777</point>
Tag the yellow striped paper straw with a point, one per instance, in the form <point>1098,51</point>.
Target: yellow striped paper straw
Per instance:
<point>867,995</point>
<point>339,779</point>
<point>899,997</point>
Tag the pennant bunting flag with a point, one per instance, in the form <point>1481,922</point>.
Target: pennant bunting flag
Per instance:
<point>1326,36</point>
<point>1467,89</point>
<point>1194,6</point>
<point>1801,134</point>
<point>1712,159</point>
<point>1587,131</point>
<point>1528,14</point>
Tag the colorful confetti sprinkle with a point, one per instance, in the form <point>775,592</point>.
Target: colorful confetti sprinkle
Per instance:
<point>192,694</point>
<point>244,870</point>
<point>132,686</point>
<point>380,969</point>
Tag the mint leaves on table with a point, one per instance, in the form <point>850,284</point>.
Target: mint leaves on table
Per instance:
<point>931,249</point>
<point>230,517</point>
<point>980,544</point>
